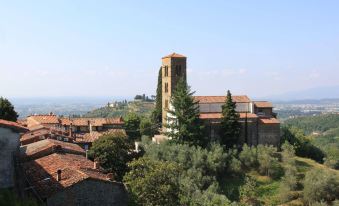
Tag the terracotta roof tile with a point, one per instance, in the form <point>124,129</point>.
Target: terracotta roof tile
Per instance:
<point>221,99</point>
<point>42,172</point>
<point>91,137</point>
<point>269,121</point>
<point>93,121</point>
<point>12,125</point>
<point>42,119</point>
<point>219,115</point>
<point>49,146</point>
<point>174,55</point>
<point>263,104</point>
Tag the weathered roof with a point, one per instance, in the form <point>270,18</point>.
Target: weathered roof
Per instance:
<point>49,146</point>
<point>219,115</point>
<point>174,55</point>
<point>42,119</point>
<point>94,135</point>
<point>42,172</point>
<point>12,125</point>
<point>92,121</point>
<point>221,99</point>
<point>263,104</point>
<point>269,121</point>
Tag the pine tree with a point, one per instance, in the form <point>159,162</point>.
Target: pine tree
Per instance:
<point>7,111</point>
<point>230,126</point>
<point>184,122</point>
<point>157,113</point>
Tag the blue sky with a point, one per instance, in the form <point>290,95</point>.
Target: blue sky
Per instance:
<point>114,48</point>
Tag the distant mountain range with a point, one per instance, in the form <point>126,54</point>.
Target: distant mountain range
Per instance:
<point>317,93</point>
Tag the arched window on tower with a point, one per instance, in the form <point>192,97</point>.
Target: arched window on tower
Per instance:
<point>166,87</point>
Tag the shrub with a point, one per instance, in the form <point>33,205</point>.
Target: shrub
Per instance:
<point>113,151</point>
<point>268,163</point>
<point>321,185</point>
<point>152,183</point>
<point>248,192</point>
<point>248,157</point>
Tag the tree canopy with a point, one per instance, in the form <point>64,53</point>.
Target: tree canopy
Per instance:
<point>157,112</point>
<point>113,151</point>
<point>230,126</point>
<point>7,111</point>
<point>132,126</point>
<point>184,124</point>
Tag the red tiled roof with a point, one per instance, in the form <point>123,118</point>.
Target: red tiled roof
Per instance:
<point>48,146</point>
<point>42,119</point>
<point>221,99</point>
<point>91,137</point>
<point>174,55</point>
<point>93,121</point>
<point>269,121</point>
<point>12,125</point>
<point>263,104</point>
<point>42,172</point>
<point>219,115</point>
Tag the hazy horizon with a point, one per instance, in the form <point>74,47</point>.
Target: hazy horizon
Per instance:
<point>114,48</point>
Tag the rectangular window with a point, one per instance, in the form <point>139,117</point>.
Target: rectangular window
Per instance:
<point>166,71</point>
<point>166,104</point>
<point>178,70</point>
<point>166,87</point>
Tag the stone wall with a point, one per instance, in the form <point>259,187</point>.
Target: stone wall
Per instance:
<point>9,143</point>
<point>92,193</point>
<point>269,134</point>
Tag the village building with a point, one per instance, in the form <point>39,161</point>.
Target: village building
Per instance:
<point>82,131</point>
<point>9,145</point>
<point>70,179</point>
<point>259,124</point>
<point>46,147</point>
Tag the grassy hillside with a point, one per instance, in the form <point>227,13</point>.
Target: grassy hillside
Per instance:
<point>140,107</point>
<point>268,188</point>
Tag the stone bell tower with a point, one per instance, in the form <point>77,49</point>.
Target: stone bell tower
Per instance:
<point>173,69</point>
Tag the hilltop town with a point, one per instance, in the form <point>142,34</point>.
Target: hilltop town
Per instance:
<point>58,160</point>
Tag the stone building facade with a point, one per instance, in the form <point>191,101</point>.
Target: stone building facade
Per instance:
<point>259,124</point>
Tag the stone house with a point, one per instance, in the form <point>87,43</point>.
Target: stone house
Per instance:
<point>9,145</point>
<point>68,179</point>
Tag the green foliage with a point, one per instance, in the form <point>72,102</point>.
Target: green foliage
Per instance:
<point>132,126</point>
<point>7,111</point>
<point>248,192</point>
<point>268,163</point>
<point>319,123</point>
<point>9,198</point>
<point>209,197</point>
<point>248,156</point>
<point>201,167</point>
<point>230,126</point>
<point>113,151</point>
<point>147,128</point>
<point>302,144</point>
<point>153,183</point>
<point>184,123</point>
<point>289,180</point>
<point>157,112</point>
<point>321,185</point>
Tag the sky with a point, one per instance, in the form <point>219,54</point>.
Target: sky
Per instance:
<point>114,48</point>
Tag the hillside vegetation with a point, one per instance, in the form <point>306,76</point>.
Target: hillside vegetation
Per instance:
<point>141,108</point>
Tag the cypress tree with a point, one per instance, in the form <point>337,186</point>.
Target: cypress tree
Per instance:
<point>157,113</point>
<point>230,126</point>
<point>7,111</point>
<point>185,125</point>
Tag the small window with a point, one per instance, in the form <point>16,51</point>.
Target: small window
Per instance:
<point>178,70</point>
<point>166,104</point>
<point>166,71</point>
<point>166,87</point>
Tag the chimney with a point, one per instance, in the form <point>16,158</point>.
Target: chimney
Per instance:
<point>96,165</point>
<point>89,126</point>
<point>86,153</point>
<point>59,175</point>
<point>70,130</point>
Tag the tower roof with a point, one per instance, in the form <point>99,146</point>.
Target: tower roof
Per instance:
<point>174,55</point>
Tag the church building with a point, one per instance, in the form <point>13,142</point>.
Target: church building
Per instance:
<point>259,124</point>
